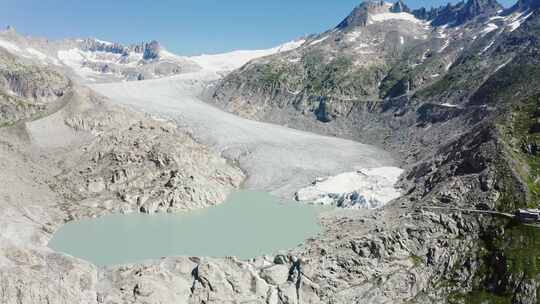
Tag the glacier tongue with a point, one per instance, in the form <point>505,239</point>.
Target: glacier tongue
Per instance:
<point>365,188</point>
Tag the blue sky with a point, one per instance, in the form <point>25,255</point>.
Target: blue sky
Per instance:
<point>185,27</point>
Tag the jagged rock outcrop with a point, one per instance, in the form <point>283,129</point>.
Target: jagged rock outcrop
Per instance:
<point>454,15</point>
<point>359,16</point>
<point>523,5</point>
<point>27,91</point>
<point>400,7</point>
<point>151,50</point>
<point>461,114</point>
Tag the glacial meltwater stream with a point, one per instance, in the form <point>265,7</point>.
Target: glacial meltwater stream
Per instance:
<point>247,225</point>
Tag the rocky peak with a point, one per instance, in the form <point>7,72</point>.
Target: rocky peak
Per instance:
<point>400,7</point>
<point>151,50</point>
<point>359,16</point>
<point>423,14</point>
<point>523,5</point>
<point>474,8</point>
<point>95,45</point>
<point>462,12</point>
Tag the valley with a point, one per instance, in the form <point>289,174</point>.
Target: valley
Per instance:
<point>130,174</point>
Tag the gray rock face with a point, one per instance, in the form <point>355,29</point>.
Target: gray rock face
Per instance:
<point>400,7</point>
<point>93,60</point>
<point>465,11</point>
<point>27,91</point>
<point>441,107</point>
<point>151,50</point>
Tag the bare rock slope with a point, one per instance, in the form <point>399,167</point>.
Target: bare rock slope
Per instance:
<point>86,158</point>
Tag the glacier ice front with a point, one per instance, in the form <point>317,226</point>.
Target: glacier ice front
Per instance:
<point>365,188</point>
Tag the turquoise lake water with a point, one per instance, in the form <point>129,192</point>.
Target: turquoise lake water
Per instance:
<point>247,225</point>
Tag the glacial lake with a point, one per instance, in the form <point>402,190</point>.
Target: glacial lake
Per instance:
<point>246,225</point>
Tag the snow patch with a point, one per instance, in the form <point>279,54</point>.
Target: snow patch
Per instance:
<point>365,188</point>
<point>503,65</point>
<point>9,46</point>
<point>449,105</point>
<point>486,48</point>
<point>394,16</point>
<point>490,27</point>
<point>103,41</point>
<point>74,59</point>
<point>518,21</point>
<point>37,54</point>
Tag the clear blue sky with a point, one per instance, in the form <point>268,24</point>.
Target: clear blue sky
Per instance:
<point>183,26</point>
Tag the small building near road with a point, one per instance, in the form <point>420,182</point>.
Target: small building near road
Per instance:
<point>528,215</point>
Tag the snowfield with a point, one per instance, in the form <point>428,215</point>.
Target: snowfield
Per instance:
<point>233,60</point>
<point>382,17</point>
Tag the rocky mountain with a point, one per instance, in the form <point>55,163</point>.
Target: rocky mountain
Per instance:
<point>454,96</point>
<point>93,60</point>
<point>28,91</point>
<point>461,12</point>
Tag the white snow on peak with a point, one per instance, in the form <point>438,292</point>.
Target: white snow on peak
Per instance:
<point>9,46</point>
<point>103,41</point>
<point>236,59</point>
<point>381,17</point>
<point>39,55</point>
<point>365,188</point>
<point>74,58</point>
<point>490,27</point>
<point>518,20</point>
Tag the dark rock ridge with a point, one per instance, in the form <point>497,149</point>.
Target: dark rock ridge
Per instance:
<point>150,50</point>
<point>358,17</point>
<point>523,5</point>
<point>27,91</point>
<point>450,14</point>
<point>459,13</point>
<point>400,7</point>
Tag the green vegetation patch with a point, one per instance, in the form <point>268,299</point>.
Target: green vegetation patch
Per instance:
<point>510,255</point>
<point>521,133</point>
